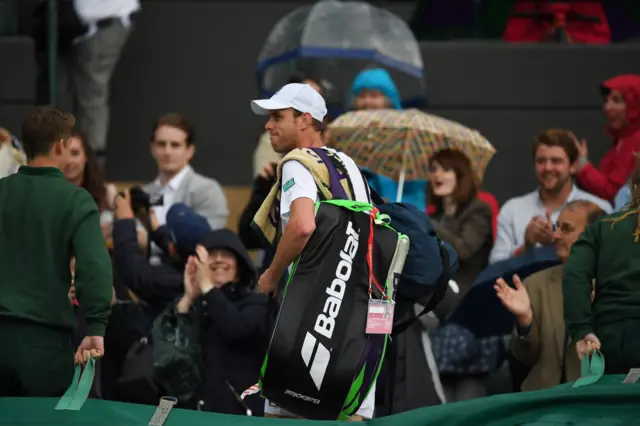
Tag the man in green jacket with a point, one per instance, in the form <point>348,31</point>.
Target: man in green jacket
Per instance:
<point>44,221</point>
<point>609,252</point>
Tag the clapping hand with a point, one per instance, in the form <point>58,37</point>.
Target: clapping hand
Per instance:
<point>516,300</point>
<point>203,274</point>
<point>583,152</point>
<point>539,230</point>
<point>191,290</point>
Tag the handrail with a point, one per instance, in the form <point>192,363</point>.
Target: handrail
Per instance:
<point>52,50</point>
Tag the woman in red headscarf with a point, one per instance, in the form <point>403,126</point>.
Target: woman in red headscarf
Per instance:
<point>622,111</point>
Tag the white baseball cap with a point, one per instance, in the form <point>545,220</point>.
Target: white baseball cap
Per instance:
<point>300,97</point>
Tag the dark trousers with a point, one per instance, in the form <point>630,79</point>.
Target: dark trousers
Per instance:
<point>620,345</point>
<point>35,360</point>
<point>84,73</point>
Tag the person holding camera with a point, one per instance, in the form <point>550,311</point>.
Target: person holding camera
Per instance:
<point>153,287</point>
<point>156,285</point>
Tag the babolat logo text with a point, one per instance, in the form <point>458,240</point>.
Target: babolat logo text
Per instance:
<point>301,396</point>
<point>315,355</point>
<point>326,321</point>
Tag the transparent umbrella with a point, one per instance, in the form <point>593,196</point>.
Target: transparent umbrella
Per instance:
<point>334,40</point>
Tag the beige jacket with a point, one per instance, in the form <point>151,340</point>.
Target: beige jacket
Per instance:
<point>543,349</point>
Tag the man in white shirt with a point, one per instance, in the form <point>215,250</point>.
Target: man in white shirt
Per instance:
<point>296,114</point>
<point>528,221</point>
<point>173,147</point>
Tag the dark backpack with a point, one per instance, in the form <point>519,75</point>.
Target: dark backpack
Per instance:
<point>430,263</point>
<point>166,361</point>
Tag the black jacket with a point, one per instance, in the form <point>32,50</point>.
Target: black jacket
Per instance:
<point>405,381</point>
<point>156,285</point>
<point>249,237</point>
<point>233,322</point>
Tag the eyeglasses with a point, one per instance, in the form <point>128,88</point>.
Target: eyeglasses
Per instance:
<point>564,228</point>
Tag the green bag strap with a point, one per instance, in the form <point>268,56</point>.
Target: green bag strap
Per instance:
<point>591,369</point>
<point>360,207</point>
<point>356,206</point>
<point>75,397</point>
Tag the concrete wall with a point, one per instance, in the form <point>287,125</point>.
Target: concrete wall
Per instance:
<point>17,76</point>
<point>197,57</point>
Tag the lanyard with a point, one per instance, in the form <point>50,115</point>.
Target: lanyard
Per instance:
<point>372,279</point>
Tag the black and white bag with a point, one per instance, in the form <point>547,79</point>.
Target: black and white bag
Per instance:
<point>321,363</point>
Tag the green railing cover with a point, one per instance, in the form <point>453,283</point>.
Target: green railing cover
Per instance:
<point>605,403</point>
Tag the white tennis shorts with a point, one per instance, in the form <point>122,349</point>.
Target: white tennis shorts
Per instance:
<point>366,409</point>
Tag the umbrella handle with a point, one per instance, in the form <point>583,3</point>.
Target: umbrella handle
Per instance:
<point>401,180</point>
<point>400,186</point>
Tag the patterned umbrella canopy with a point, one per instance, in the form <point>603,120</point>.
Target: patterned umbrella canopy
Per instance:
<point>389,142</point>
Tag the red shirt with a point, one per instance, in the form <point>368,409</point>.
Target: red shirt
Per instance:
<point>612,172</point>
<point>531,29</point>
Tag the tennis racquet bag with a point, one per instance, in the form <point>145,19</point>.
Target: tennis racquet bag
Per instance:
<point>321,364</point>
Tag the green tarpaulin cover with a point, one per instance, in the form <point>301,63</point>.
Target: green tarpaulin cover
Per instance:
<point>608,402</point>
